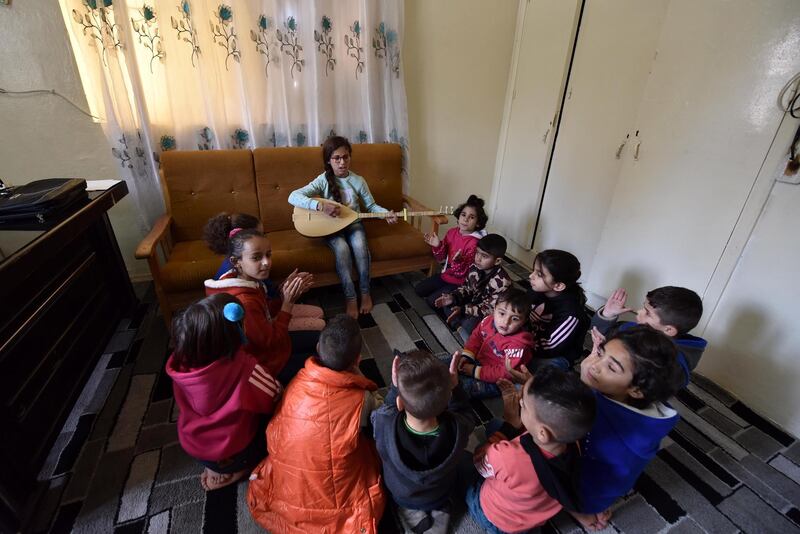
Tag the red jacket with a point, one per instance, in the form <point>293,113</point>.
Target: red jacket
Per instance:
<point>459,251</point>
<point>267,336</point>
<point>322,473</point>
<point>219,404</point>
<point>490,348</point>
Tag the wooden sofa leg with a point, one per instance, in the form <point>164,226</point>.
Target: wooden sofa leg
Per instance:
<point>433,268</point>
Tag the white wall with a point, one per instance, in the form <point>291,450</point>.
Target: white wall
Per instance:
<point>754,339</point>
<point>43,136</point>
<point>456,59</point>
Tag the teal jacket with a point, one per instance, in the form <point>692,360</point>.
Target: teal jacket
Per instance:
<point>354,189</point>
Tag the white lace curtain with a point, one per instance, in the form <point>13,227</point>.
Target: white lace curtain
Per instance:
<point>204,75</point>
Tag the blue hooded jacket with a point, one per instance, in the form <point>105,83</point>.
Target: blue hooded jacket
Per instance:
<point>690,348</point>
<point>621,443</point>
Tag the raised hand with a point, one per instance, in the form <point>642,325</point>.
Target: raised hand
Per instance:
<point>291,291</point>
<point>432,239</point>
<point>597,339</point>
<point>518,376</point>
<point>456,311</point>
<point>444,299</point>
<point>455,361</point>
<point>510,402</point>
<point>615,305</point>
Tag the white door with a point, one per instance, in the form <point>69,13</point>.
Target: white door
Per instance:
<point>614,53</point>
<point>543,53</point>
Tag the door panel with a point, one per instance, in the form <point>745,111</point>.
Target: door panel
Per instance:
<point>706,121</point>
<point>615,49</point>
<point>548,34</point>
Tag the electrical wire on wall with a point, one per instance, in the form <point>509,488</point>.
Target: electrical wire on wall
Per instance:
<point>49,92</point>
<point>791,104</point>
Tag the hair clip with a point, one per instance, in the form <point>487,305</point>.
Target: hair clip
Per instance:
<point>233,312</point>
<point>234,232</point>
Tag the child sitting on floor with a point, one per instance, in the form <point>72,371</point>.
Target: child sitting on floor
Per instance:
<point>221,391</point>
<point>457,250</point>
<point>421,431</point>
<point>632,373</point>
<point>322,473</point>
<point>217,234</point>
<point>475,298</point>
<point>671,310</point>
<point>499,337</point>
<point>558,319</point>
<point>283,353</point>
<point>529,479</point>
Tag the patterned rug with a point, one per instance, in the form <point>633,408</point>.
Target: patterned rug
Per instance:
<point>117,466</point>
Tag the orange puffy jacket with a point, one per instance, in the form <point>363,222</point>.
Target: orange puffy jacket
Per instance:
<point>322,474</point>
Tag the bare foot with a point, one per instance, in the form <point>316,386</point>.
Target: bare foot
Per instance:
<point>211,480</point>
<point>351,308</point>
<point>366,303</point>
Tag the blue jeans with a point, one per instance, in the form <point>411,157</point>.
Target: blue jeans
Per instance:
<point>353,238</point>
<point>474,388</point>
<point>475,510</point>
<point>432,287</point>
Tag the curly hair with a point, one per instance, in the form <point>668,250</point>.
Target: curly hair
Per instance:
<point>477,204</point>
<point>218,228</point>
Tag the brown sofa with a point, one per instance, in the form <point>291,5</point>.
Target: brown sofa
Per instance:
<point>200,184</point>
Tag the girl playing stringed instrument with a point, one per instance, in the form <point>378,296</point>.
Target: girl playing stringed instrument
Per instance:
<point>338,183</point>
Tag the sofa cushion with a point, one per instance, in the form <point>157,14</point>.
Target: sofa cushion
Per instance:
<point>279,171</point>
<point>202,183</point>
<point>395,241</point>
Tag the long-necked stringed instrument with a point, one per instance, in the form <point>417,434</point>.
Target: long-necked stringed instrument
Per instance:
<point>312,223</point>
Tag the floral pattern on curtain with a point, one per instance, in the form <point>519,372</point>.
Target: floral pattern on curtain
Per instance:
<point>203,75</point>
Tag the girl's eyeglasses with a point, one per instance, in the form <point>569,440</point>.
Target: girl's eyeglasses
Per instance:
<point>337,159</point>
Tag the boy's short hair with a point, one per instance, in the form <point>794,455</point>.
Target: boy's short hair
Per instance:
<point>676,306</point>
<point>656,371</point>
<point>563,402</point>
<point>340,343</point>
<point>423,383</point>
<point>518,300</point>
<point>493,244</point>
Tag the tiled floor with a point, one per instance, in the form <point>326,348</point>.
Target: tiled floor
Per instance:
<point>117,467</point>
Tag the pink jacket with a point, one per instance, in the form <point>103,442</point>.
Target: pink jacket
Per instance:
<point>459,251</point>
<point>220,403</point>
<point>490,348</point>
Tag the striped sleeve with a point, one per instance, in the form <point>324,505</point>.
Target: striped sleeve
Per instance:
<point>264,390</point>
<point>560,334</point>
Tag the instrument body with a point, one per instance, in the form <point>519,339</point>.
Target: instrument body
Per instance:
<point>312,223</point>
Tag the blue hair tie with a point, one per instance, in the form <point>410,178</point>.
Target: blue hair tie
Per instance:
<point>233,312</point>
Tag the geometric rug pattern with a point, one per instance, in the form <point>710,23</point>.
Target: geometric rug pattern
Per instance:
<point>117,465</point>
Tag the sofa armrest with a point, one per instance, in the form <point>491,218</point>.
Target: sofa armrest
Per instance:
<point>160,230</point>
<point>416,205</point>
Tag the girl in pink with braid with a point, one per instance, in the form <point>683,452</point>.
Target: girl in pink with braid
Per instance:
<point>457,250</point>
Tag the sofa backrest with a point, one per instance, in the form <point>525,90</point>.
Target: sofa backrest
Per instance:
<point>279,171</point>
<point>201,183</point>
